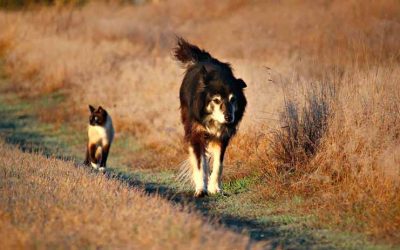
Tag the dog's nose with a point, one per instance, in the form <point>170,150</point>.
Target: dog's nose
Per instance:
<point>228,117</point>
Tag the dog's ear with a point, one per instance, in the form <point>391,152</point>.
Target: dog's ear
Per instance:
<point>241,83</point>
<point>91,108</point>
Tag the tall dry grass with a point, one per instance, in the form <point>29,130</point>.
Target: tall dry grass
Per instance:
<point>47,203</point>
<point>342,153</point>
<point>359,164</point>
<point>119,56</point>
<point>303,126</point>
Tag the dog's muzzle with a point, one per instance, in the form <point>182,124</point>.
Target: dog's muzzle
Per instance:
<point>228,118</point>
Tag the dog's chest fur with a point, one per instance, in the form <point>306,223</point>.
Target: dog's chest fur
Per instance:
<point>101,134</point>
<point>214,129</point>
<point>217,130</point>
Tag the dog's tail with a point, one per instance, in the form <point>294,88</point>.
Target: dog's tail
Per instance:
<point>188,53</point>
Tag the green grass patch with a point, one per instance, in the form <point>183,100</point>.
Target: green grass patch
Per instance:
<point>238,186</point>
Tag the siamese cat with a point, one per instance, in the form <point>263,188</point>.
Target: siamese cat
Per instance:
<point>100,137</point>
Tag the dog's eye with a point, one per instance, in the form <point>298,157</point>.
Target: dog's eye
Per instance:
<point>233,99</point>
<point>216,101</point>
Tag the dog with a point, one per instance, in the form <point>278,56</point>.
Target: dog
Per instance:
<point>212,104</point>
<point>100,137</point>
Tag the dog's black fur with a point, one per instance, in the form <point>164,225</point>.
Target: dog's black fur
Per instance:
<point>206,77</point>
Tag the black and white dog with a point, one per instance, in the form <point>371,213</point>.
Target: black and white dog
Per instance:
<point>212,105</point>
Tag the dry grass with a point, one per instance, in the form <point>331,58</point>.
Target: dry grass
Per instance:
<point>30,4</point>
<point>358,167</point>
<point>302,128</point>
<point>346,163</point>
<point>119,56</point>
<point>48,203</point>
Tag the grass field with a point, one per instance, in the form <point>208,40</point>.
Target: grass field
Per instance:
<point>48,203</point>
<point>273,223</point>
<point>318,146</point>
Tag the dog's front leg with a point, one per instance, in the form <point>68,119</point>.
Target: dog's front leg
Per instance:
<point>199,166</point>
<point>216,152</point>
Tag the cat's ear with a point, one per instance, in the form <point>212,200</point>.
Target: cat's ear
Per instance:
<point>100,109</point>
<point>91,108</point>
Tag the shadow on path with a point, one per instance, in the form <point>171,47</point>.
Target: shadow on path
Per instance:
<point>272,233</point>
<point>21,129</point>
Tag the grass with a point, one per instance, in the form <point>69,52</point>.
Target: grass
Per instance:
<point>302,129</point>
<point>349,174</point>
<point>238,186</point>
<point>71,207</point>
<point>241,211</point>
<point>20,4</point>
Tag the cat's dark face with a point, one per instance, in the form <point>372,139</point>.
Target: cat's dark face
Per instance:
<point>97,116</point>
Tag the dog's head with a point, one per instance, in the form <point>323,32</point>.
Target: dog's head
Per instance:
<point>220,97</point>
<point>97,116</point>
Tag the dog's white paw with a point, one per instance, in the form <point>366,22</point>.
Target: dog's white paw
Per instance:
<point>94,165</point>
<point>214,189</point>
<point>200,193</point>
<point>102,169</point>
